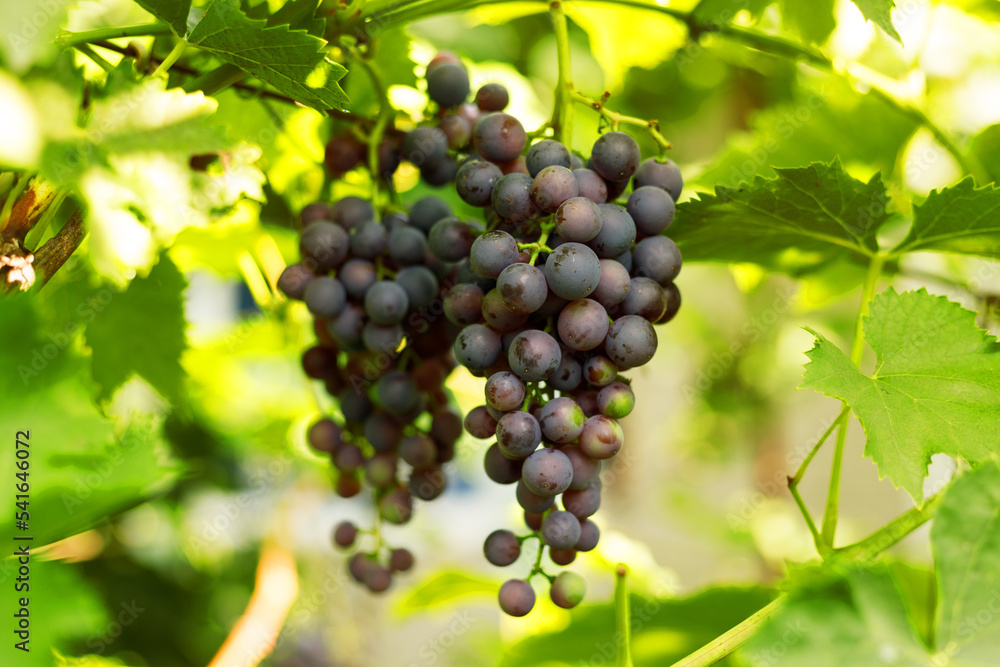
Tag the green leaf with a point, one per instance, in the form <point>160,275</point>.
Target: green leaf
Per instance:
<point>879,13</point>
<point>812,19</point>
<point>857,620</point>
<point>444,588</point>
<point>173,12</point>
<point>962,219</point>
<point>299,14</point>
<point>986,147</point>
<point>157,301</point>
<point>293,61</point>
<point>966,542</point>
<point>799,219</point>
<point>935,387</point>
<point>724,11</point>
<point>28,31</point>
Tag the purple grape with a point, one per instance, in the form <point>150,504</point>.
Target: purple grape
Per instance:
<point>493,252</point>
<point>582,503</point>
<point>665,175</point>
<point>617,232</point>
<point>645,299</point>
<point>561,530</point>
<point>547,472</point>
<point>516,597</point>
<point>477,347</point>
<point>480,424</point>
<point>534,355</point>
<point>552,187</point>
<point>601,438</point>
<point>614,284</point>
<point>502,548</point>
<point>657,258</point>
<point>464,304</point>
<point>591,185</point>
<point>631,341</point>
<point>561,420</point>
<point>589,536</point>
<point>499,137</point>
<point>586,471</point>
<point>572,271</point>
<point>578,219</point>
<point>522,287</point>
<point>505,391</point>
<point>583,324</point>
<point>652,210</point>
<point>501,469</point>
<point>568,590</point>
<point>615,156</point>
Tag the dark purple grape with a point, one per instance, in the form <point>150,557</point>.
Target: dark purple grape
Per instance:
<point>440,173</point>
<point>425,146</point>
<point>358,566</point>
<point>553,186</point>
<point>499,468</point>
<point>316,212</point>
<point>562,557</point>
<point>561,530</point>
<point>378,578</point>
<point>344,534</point>
<point>448,84</point>
<point>625,259</point>
<point>499,137</point>
<point>591,185</point>
<point>631,341</point>
<point>400,560</point>
<point>355,406</point>
<point>396,506</point>
<point>477,347</point>
<point>516,597</point>
<point>614,284</point>
<point>586,471</point>
<point>665,175</point>
<point>498,315</point>
<point>407,245</point>
<point>657,258</point>
<point>502,548</point>
<point>369,240</point>
<point>645,299</point>
<point>511,198</point>
<point>383,432</point>
<point>533,520</point>
<point>546,153</point>
<point>601,438</point>
<point>294,280</point>
<point>480,424</point>
<point>583,324</point>
<point>325,297</point>
<point>397,392</point>
<point>347,486</point>
<point>652,210</point>
<point>351,212</point>
<point>426,211</point>
<point>522,287</point>
<point>343,153</point>
<point>673,296</point>
<point>357,275</point>
<point>615,156</point>
<point>325,436</point>
<point>534,355</point>
<point>464,304</point>
<point>553,304</point>
<point>518,435</point>
<point>458,130</point>
<point>617,232</point>
<point>615,190</point>
<point>420,285</point>
<point>324,246</point>
<point>530,500</point>
<point>386,302</point>
<point>442,58</point>
<point>547,472</point>
<point>493,252</point>
<point>347,327</point>
<point>446,425</point>
<point>599,370</point>
<point>382,338</point>
<point>492,97</point>
<point>348,458</point>
<point>582,503</point>
<point>319,362</point>
<point>578,219</point>
<point>568,375</point>
<point>450,239</point>
<point>475,182</point>
<point>616,400</point>
<point>568,590</point>
<point>380,471</point>
<point>505,391</point>
<point>561,420</point>
<point>572,271</point>
<point>428,483</point>
<point>418,450</point>
<point>589,536</point>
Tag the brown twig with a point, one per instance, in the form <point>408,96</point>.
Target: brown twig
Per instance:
<point>54,252</point>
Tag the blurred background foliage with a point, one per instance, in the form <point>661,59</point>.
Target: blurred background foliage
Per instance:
<point>169,410</point>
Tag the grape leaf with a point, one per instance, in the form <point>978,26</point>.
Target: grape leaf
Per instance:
<point>986,147</point>
<point>879,13</point>
<point>173,12</point>
<point>28,31</point>
<point>966,542</point>
<point>935,388</point>
<point>962,219</point>
<point>812,19</point>
<point>293,61</point>
<point>803,217</point>
<point>158,301</point>
<point>724,11</point>
<point>857,620</point>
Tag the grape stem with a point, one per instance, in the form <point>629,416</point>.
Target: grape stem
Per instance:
<point>623,617</point>
<point>562,111</point>
<point>538,247</point>
<point>68,39</point>
<point>616,120</point>
<point>385,114</point>
<point>100,61</point>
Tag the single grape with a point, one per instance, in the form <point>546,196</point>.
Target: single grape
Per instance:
<point>378,578</point>
<point>601,438</point>
<point>553,186</point>
<point>657,258</point>
<point>420,285</point>
<point>294,280</point>
<point>582,503</point>
<point>531,501</point>
<point>407,245</point>
<point>568,590</point>
<point>348,458</point>
<point>665,175</point>
<point>591,186</point>
<point>499,137</point>
<point>562,557</point>
<point>492,97</point>
<point>343,153</point>
<point>382,432</point>
<point>546,153</point>
<point>397,392</point>
<point>347,327</point>
<point>475,182</point>
<point>325,436</point>
<point>325,297</point>
<point>492,252</point>
<point>344,534</point>
<point>499,468</point>
<point>589,536</point>
<point>673,296</point>
<point>625,259</point>
<point>583,324</point>
<point>578,219</point>
<point>522,287</point>
<point>358,566</point>
<point>446,424</point>
<point>464,304</point>
<point>477,347</point>
<point>382,338</point>
<point>614,284</point>
<point>516,597</point>
<point>502,548</point>
<point>425,146</point>
<point>315,212</point>
<point>448,84</point>
<point>652,209</point>
<point>631,341</point>
<point>645,299</point>
<point>380,471</point>
<point>354,405</point>
<point>426,211</point>
<point>441,58</point>
<point>351,212</point>
<point>357,275</point>
<point>533,520</point>
<point>386,302</point>
<point>617,232</point>
<point>511,198</point>
<point>616,190</point>
<point>616,400</point>
<point>568,375</point>
<point>498,315</point>
<point>547,472</point>
<point>561,530</point>
<point>400,560</point>
<point>457,130</point>
<point>586,471</point>
<point>534,355</point>
<point>561,420</point>
<point>518,435</point>
<point>572,271</point>
<point>347,486</point>
<point>324,246</point>
<point>396,506</point>
<point>505,391</point>
<point>418,450</point>
<point>615,156</point>
<point>428,483</point>
<point>450,239</point>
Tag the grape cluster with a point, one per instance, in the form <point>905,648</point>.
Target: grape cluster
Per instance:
<point>383,351</point>
<point>559,296</point>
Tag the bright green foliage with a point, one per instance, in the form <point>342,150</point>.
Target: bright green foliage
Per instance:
<point>28,31</point>
<point>986,147</point>
<point>805,216</point>
<point>966,541</point>
<point>878,12</point>
<point>154,352</point>
<point>175,12</point>
<point>935,387</point>
<point>962,219</point>
<point>443,589</point>
<point>812,19</point>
